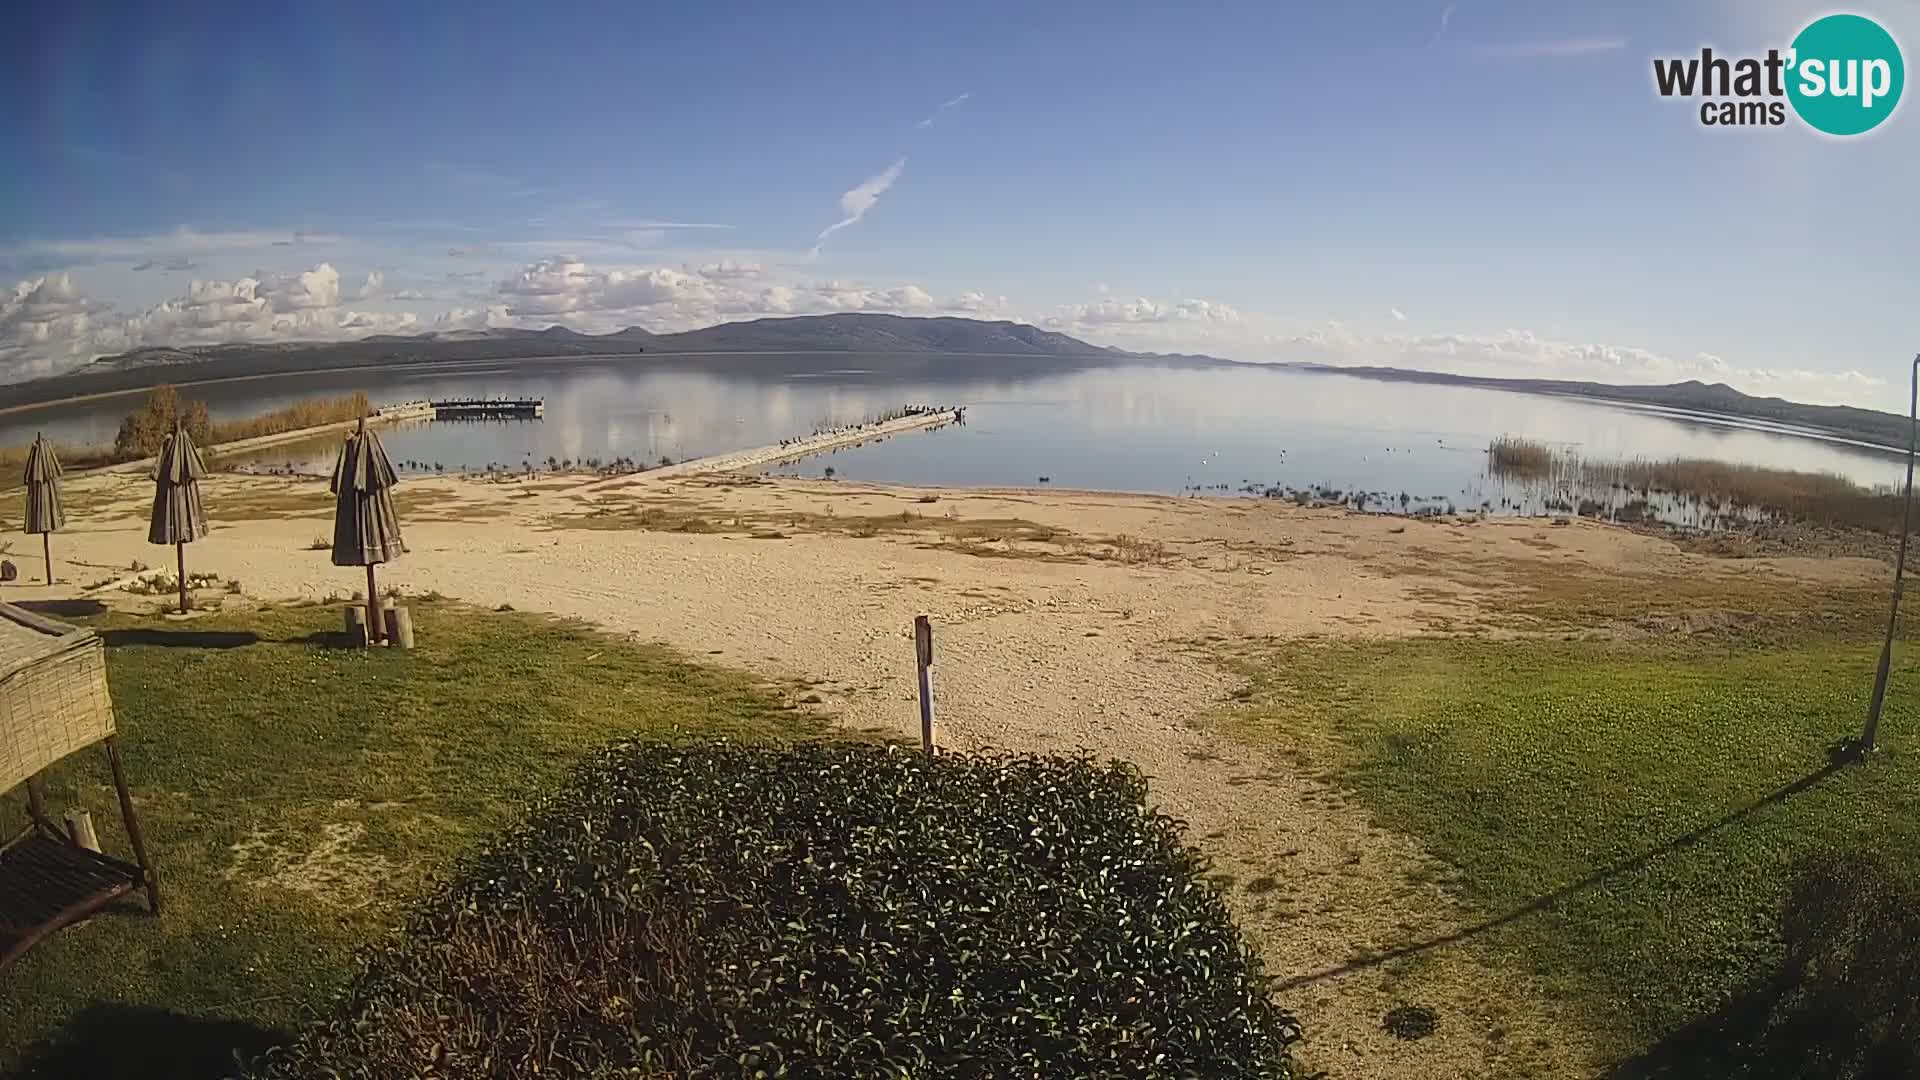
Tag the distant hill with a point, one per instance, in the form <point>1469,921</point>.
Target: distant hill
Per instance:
<point>1885,429</point>
<point>928,348</point>
<point>913,344</point>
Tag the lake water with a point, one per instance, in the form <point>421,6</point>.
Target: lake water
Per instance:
<point>1221,430</point>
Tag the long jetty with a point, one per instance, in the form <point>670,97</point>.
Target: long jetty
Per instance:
<point>386,414</point>
<point>487,408</point>
<point>796,449</point>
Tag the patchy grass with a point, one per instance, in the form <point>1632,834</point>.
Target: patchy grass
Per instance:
<point>1627,815</point>
<point>1539,595</point>
<point>295,794</point>
<point>255,499</point>
<point>986,538</point>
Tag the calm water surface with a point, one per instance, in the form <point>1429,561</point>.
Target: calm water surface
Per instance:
<point>1126,429</point>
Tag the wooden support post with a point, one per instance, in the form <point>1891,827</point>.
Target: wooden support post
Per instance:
<point>356,624</point>
<point>46,547</point>
<point>923,653</point>
<point>133,826</point>
<point>37,802</point>
<point>80,830</point>
<point>400,627</point>
<point>373,609</point>
<point>180,557</point>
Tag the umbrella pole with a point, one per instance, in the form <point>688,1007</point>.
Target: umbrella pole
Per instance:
<point>46,545</point>
<point>180,556</point>
<point>373,610</point>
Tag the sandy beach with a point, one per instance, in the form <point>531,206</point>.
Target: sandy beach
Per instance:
<point>1064,621</point>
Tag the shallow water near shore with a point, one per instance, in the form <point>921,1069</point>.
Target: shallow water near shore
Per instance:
<point>1213,431</point>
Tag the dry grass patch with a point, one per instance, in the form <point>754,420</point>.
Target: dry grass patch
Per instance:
<point>1532,595</point>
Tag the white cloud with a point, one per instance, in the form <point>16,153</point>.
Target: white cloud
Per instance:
<point>856,202</point>
<point>315,288</point>
<point>380,322</point>
<point>1143,310</point>
<point>980,304</point>
<point>473,318</point>
<point>164,248</point>
<point>728,269</point>
<point>411,294</point>
<point>375,284</point>
<point>943,107</point>
<point>46,323</point>
<point>1558,47</point>
<point>1524,354</point>
<point>592,299</point>
<point>651,224</point>
<point>1396,314</point>
<point>180,242</point>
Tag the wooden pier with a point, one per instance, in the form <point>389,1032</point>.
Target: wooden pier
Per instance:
<point>488,409</point>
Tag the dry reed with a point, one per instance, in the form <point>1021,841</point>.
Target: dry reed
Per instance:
<point>1511,455</point>
<point>1819,498</point>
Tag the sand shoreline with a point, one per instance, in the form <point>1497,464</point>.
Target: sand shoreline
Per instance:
<point>1065,621</point>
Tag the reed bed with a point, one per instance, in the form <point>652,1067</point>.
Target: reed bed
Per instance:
<point>13,459</point>
<point>313,412</point>
<point>1511,455</point>
<point>1819,498</point>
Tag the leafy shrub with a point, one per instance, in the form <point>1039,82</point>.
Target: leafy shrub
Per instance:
<point>817,911</point>
<point>144,429</point>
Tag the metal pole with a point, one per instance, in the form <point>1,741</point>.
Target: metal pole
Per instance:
<point>1871,735</point>
<point>373,610</point>
<point>923,653</point>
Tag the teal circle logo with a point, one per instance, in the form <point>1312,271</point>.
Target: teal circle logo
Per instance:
<point>1845,74</point>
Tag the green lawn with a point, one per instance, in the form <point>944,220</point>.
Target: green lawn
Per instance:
<point>296,794</point>
<point>1636,806</point>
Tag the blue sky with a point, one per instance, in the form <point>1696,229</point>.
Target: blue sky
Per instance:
<point>1475,186</point>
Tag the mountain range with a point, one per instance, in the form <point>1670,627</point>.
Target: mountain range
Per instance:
<point>924,348</point>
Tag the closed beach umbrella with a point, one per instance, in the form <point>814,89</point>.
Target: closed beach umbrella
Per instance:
<point>366,531</point>
<point>44,514</point>
<point>177,516</point>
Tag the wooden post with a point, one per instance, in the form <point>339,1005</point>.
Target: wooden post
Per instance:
<point>80,830</point>
<point>37,801</point>
<point>923,653</point>
<point>46,546</point>
<point>356,624</point>
<point>400,627</point>
<point>373,610</point>
<point>133,826</point>
<point>180,556</point>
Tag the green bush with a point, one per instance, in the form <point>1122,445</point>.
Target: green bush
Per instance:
<point>817,911</point>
